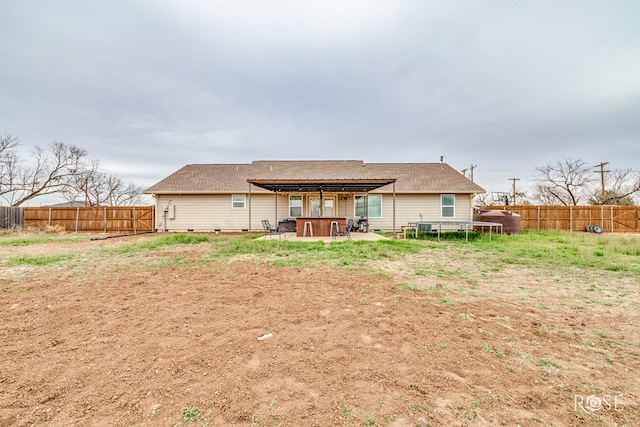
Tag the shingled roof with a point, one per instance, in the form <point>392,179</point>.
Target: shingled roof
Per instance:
<point>232,178</point>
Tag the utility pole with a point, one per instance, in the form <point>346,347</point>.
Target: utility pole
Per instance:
<point>601,165</point>
<point>514,188</point>
<point>472,167</point>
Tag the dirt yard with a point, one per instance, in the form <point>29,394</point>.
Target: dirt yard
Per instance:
<point>244,342</point>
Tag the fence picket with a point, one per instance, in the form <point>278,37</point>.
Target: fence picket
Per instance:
<point>101,219</point>
<point>622,219</point>
<point>11,217</point>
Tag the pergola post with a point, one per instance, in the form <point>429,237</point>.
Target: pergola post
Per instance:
<point>276,212</point>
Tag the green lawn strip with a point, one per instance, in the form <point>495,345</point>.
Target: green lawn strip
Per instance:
<point>36,260</point>
<point>348,254</point>
<point>26,240</point>
<point>157,243</point>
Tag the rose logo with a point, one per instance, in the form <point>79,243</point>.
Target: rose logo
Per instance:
<point>593,403</point>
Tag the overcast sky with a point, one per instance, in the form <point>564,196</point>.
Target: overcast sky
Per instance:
<point>147,87</point>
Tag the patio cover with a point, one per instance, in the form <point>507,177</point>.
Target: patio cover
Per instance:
<point>356,185</point>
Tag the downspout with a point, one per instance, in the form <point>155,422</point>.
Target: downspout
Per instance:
<point>249,228</point>
<point>394,210</point>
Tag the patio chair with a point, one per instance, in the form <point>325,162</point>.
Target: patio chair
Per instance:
<point>346,231</point>
<point>271,230</point>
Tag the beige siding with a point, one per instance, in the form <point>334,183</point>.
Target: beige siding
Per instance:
<point>416,207</point>
<point>207,213</point>
<point>345,206</point>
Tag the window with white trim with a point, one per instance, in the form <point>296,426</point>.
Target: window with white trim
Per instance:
<point>368,206</point>
<point>238,201</point>
<point>295,205</point>
<point>448,205</point>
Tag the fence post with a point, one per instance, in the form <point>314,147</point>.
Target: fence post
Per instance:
<point>49,218</point>
<point>135,221</point>
<point>77,218</point>
<point>570,218</point>
<point>602,217</point>
<point>105,220</point>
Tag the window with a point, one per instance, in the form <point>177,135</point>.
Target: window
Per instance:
<point>295,206</point>
<point>238,201</point>
<point>448,205</point>
<point>369,206</point>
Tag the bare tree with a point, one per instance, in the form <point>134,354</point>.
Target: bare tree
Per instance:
<point>480,200</point>
<point>7,144</point>
<point>60,169</point>
<point>127,195</point>
<point>622,186</point>
<point>50,174</point>
<point>94,187</point>
<point>566,182</point>
<point>8,162</point>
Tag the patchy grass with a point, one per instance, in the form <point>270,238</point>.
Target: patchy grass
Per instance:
<point>562,249</point>
<point>347,254</point>
<point>37,239</point>
<point>157,243</point>
<point>37,260</point>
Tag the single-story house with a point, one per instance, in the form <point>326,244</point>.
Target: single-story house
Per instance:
<point>237,197</point>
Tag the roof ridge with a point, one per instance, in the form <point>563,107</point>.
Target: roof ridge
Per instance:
<point>411,177</point>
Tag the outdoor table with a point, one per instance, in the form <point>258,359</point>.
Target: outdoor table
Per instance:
<point>461,224</point>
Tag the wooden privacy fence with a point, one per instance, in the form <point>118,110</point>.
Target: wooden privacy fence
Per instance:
<point>611,219</point>
<point>101,219</point>
<point>11,217</point>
